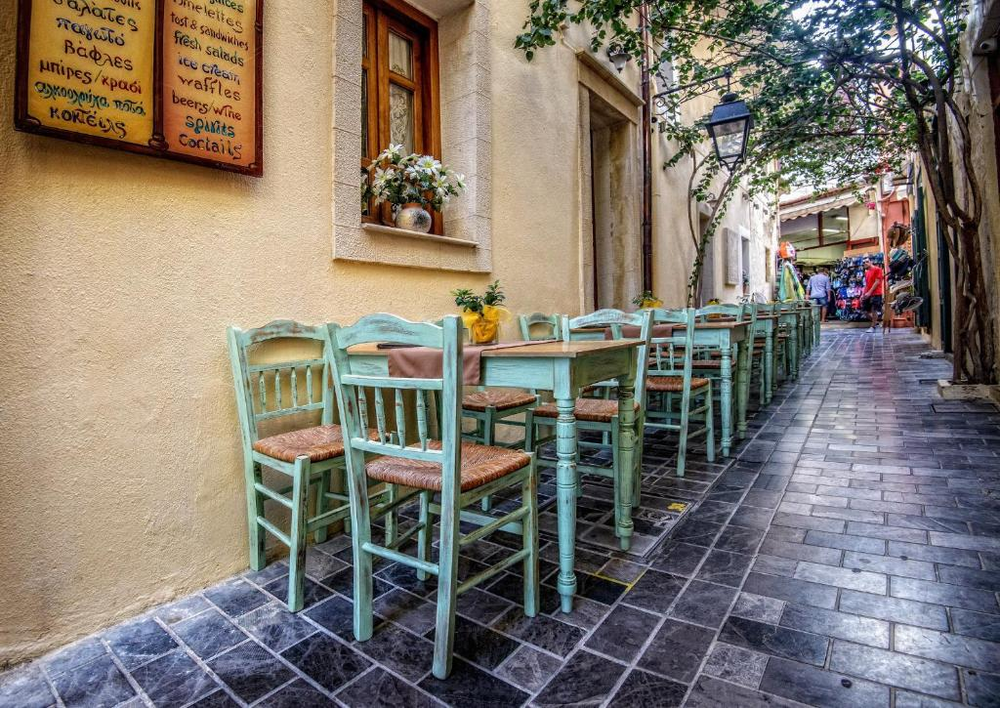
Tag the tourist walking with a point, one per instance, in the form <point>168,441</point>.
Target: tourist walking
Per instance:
<point>819,291</point>
<point>871,300</point>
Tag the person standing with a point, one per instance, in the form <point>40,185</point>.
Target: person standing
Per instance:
<point>874,293</point>
<point>819,291</point>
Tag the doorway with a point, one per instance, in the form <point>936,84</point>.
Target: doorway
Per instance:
<point>612,203</point>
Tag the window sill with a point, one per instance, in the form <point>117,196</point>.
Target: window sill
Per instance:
<point>381,230</point>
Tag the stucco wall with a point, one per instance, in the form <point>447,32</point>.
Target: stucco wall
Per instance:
<point>121,480</point>
<point>122,483</point>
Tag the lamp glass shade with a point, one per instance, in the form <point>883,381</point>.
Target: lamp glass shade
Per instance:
<point>729,127</point>
<point>619,59</point>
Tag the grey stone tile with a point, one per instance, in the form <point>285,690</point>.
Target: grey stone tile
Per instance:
<point>393,647</point>
<point>585,680</point>
<point>774,640</point>
<point>677,650</point>
<point>379,688</point>
<point>96,683</point>
<point>710,692</point>
<point>724,568</point>
<point>641,689</point>
<point>623,633</point>
<point>951,648</point>
<point>549,633</point>
<point>174,680</point>
<point>933,554</point>
<point>841,625</point>
<point>976,624</point>
<point>816,687</point>
<point>982,689</point>
<point>890,565</point>
<point>297,694</point>
<point>479,644</point>
<point>209,633</point>
<point>136,642</point>
<point>852,579</point>
<point>875,546</point>
<point>736,664</point>
<point>703,603</point>
<point>792,590</point>
<point>275,627</point>
<point>182,609</point>
<point>325,660</point>
<point>529,669</point>
<point>235,597</point>
<point>467,685</point>
<point>75,654</point>
<point>941,593</point>
<point>758,607</point>
<point>895,669</point>
<point>894,609</point>
<point>655,591</point>
<point>250,671</point>
<point>26,686</point>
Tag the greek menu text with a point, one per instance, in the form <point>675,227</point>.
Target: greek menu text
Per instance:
<point>87,70</point>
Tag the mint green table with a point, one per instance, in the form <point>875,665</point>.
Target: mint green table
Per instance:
<point>563,368</point>
<point>728,338</point>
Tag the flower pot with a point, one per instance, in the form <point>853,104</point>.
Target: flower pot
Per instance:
<point>413,217</point>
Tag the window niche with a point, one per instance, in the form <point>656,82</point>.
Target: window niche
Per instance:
<point>464,108</point>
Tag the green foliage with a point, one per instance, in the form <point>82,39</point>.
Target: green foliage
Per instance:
<point>471,302</point>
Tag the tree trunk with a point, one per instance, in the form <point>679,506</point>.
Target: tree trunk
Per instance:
<point>974,336</point>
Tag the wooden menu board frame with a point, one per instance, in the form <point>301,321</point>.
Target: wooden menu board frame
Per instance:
<point>157,145</point>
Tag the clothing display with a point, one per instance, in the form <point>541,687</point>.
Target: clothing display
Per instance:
<point>849,285</point>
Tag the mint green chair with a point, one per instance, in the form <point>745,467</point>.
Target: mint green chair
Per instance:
<point>601,415</point>
<point>671,382</point>
<point>309,457</point>
<point>459,473</point>
<point>538,326</point>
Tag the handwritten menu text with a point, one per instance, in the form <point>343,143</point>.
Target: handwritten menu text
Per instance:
<point>89,70</point>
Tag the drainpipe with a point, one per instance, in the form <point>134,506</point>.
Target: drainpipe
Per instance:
<point>647,162</point>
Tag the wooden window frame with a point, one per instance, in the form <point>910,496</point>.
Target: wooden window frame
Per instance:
<point>381,16</point>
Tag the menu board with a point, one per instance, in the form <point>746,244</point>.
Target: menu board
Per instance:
<point>179,79</point>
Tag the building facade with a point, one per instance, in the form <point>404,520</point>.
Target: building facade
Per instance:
<point>122,475</point>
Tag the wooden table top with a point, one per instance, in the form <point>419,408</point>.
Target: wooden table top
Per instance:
<point>534,350</point>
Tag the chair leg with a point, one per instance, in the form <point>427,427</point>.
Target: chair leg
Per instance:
<point>640,440</point>
<point>424,537</point>
<point>489,431</point>
<point>529,539</point>
<point>682,442</point>
<point>391,518</point>
<point>529,428</point>
<point>710,425</point>
<point>321,533</point>
<point>357,485</point>
<point>297,534</point>
<point>447,594</point>
<point>255,509</point>
<point>620,489</point>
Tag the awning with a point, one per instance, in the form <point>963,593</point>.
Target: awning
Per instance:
<point>794,211</point>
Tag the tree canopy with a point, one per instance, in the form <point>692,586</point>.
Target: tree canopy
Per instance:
<point>840,90</point>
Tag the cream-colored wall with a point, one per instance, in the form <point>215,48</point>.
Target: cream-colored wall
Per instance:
<point>122,483</point>
<point>122,480</point>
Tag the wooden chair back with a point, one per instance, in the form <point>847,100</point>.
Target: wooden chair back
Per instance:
<point>546,326</point>
<point>680,339</point>
<point>352,400</point>
<point>270,390</point>
<point>615,320</point>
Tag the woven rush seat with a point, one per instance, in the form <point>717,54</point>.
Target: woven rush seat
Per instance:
<point>319,443</point>
<point>481,464</point>
<point>673,384</point>
<point>499,399</point>
<point>598,410</point>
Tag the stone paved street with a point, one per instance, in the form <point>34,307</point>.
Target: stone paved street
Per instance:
<point>849,556</point>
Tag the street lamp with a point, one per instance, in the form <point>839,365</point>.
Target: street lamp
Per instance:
<point>618,56</point>
<point>729,127</point>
